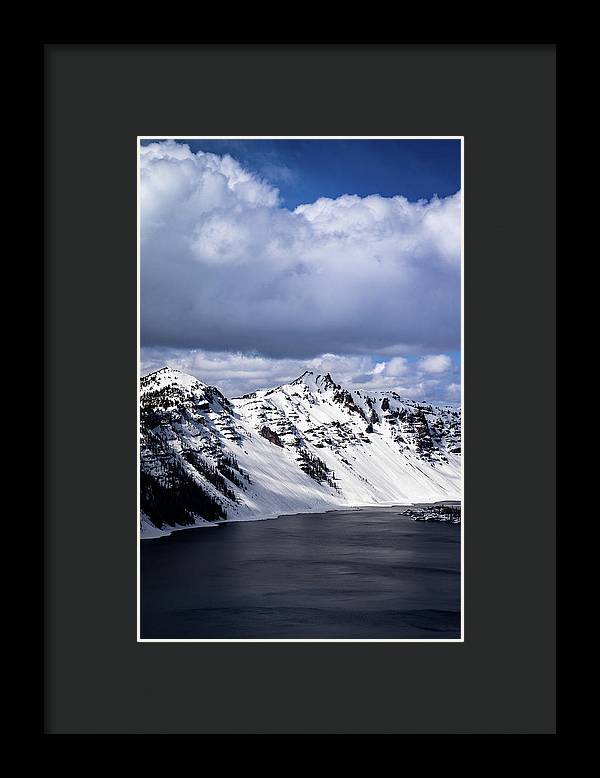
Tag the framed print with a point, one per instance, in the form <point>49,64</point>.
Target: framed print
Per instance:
<point>289,367</point>
<point>294,480</point>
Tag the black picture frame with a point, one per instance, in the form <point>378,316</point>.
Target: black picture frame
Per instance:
<point>98,678</point>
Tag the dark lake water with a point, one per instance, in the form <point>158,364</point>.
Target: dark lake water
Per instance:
<point>366,573</point>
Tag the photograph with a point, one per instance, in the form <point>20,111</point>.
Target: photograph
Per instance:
<point>300,398</point>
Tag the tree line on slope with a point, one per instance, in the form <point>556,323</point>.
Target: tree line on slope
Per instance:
<point>176,499</point>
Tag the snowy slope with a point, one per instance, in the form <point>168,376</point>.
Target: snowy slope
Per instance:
<point>310,445</point>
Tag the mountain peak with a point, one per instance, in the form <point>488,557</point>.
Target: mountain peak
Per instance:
<point>307,374</point>
<point>315,381</point>
<point>170,375</point>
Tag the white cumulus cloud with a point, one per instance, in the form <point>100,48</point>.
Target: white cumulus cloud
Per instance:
<point>435,363</point>
<point>225,268</point>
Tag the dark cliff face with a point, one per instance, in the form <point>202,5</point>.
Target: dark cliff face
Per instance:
<point>271,436</point>
<point>345,398</point>
<point>180,482</point>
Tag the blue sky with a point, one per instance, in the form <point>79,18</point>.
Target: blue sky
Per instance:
<point>260,259</point>
<point>304,170</point>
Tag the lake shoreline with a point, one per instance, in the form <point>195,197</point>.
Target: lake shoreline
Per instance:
<point>347,509</point>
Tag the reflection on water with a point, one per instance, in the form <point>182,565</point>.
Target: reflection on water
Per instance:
<point>367,573</point>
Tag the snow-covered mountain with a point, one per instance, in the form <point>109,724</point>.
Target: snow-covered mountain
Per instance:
<point>309,445</point>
